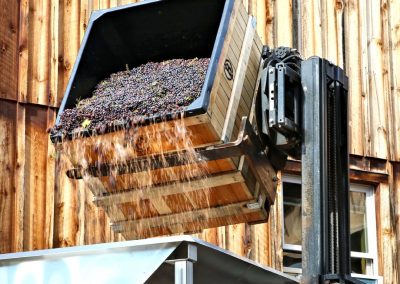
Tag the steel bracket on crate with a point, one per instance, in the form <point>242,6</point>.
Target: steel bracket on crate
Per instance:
<point>247,144</point>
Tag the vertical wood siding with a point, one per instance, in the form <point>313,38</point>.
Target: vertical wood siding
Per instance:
<point>8,50</point>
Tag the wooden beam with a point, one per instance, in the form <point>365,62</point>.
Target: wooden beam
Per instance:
<point>169,189</point>
<point>361,169</point>
<point>98,189</point>
<point>160,205</point>
<point>185,217</point>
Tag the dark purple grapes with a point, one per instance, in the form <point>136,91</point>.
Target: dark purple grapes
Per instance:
<point>154,89</point>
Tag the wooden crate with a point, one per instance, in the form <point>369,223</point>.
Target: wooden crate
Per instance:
<point>140,206</point>
<point>221,199</point>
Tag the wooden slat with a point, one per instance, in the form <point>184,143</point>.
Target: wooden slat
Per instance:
<point>81,212</point>
<point>50,182</point>
<point>7,171</point>
<point>328,28</point>
<point>307,35</point>
<point>332,31</point>
<point>261,239</point>
<point>364,81</point>
<point>317,27</point>
<point>66,218</point>
<point>258,10</point>
<point>387,77</point>
<point>55,88</point>
<point>85,11</point>
<point>98,189</point>
<point>39,51</point>
<point>169,189</point>
<point>96,222</point>
<point>394,98</point>
<point>153,137</point>
<point>239,80</point>
<point>39,179</point>
<point>377,99</point>
<point>23,51</point>
<point>270,23</point>
<point>361,170</point>
<point>353,70</point>
<point>202,214</point>
<point>19,179</point>
<point>9,13</point>
<point>283,27</point>
<point>235,243</point>
<point>275,221</point>
<point>386,239</point>
<point>113,3</point>
<point>212,109</point>
<point>160,205</point>
<point>339,29</point>
<point>395,192</point>
<point>70,39</point>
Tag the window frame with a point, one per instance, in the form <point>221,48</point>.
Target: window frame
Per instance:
<point>371,228</point>
<point>372,253</point>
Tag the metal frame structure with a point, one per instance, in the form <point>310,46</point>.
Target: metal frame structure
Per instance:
<point>325,181</point>
<point>179,260</point>
<point>310,117</point>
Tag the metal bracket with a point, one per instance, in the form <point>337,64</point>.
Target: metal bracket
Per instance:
<point>279,105</point>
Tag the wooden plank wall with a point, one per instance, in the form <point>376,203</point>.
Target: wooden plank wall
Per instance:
<point>39,40</point>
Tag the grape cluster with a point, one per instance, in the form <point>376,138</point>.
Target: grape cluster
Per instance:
<point>154,89</point>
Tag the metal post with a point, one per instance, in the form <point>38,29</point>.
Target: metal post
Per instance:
<point>184,264</point>
<point>312,171</point>
<point>325,184</point>
<point>183,272</point>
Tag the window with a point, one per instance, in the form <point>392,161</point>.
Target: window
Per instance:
<point>362,228</point>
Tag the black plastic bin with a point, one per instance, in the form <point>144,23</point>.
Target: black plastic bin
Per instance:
<point>148,31</point>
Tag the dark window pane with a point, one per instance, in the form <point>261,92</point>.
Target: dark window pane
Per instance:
<point>292,259</point>
<point>360,265</point>
<point>292,213</point>
<point>358,222</point>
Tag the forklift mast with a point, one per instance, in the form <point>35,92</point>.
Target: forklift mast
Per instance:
<point>303,113</point>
